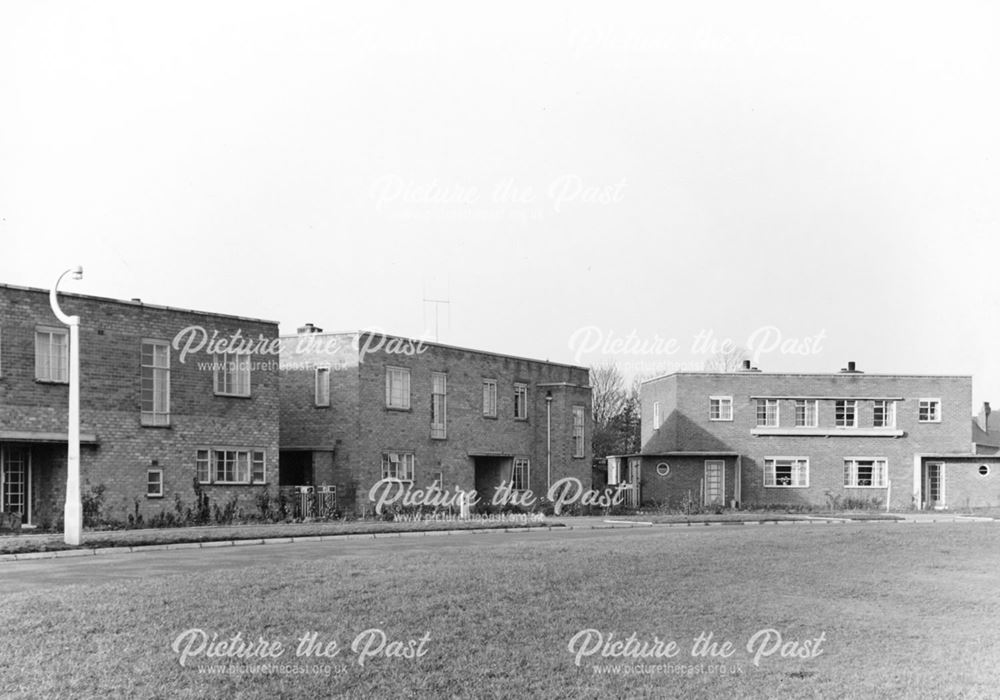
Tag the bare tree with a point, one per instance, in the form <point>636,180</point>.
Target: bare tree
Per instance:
<point>728,359</point>
<point>607,393</point>
<point>616,411</point>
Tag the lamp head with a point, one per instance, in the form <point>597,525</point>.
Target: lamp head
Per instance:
<point>77,272</point>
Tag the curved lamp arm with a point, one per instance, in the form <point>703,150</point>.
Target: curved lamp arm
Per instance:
<point>77,273</point>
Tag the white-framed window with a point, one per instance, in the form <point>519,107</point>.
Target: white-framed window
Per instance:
<point>231,466</point>
<point>767,413</point>
<point>437,481</point>
<point>929,411</point>
<point>154,483</point>
<point>720,407</point>
<point>520,473</point>
<point>202,461</point>
<point>845,413</point>
<point>398,466</point>
<point>656,415</point>
<point>52,355</point>
<point>786,472</point>
<point>883,413</point>
<point>439,405</point>
<point>863,472</point>
<point>520,401</point>
<point>397,388</point>
<point>806,413</point>
<point>232,374</point>
<point>154,394</point>
<point>321,389</point>
<point>490,398</point>
<point>578,432</point>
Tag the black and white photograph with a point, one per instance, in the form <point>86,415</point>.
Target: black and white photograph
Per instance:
<point>467,350</point>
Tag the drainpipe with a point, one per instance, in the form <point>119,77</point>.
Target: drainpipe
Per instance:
<point>548,441</point>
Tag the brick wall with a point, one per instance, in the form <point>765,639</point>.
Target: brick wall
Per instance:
<point>686,426</point>
<point>111,333</point>
<point>469,433</point>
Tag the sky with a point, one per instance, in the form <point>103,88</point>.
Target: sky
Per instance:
<point>581,182</point>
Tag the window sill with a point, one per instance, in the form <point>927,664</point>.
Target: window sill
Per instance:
<point>144,424</point>
<point>233,396</point>
<point>399,409</point>
<point>828,432</point>
<point>51,381</point>
<point>154,496</point>
<point>779,486</point>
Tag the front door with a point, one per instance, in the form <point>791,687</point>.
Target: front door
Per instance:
<point>715,482</point>
<point>632,499</point>
<point>934,485</point>
<point>15,481</point>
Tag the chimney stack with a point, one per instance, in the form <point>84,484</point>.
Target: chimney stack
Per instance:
<point>984,417</point>
<point>852,368</point>
<point>308,329</point>
<point>746,365</point>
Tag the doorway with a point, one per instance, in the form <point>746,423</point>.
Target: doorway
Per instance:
<point>934,485</point>
<point>15,481</point>
<point>715,482</point>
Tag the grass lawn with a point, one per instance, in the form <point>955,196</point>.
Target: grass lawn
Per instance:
<point>904,611</point>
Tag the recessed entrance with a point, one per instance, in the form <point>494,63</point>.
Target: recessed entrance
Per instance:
<point>15,481</point>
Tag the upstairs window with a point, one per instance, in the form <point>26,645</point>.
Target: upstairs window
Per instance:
<point>521,402</point>
<point>720,408</point>
<point>490,398</point>
<point>322,388</point>
<point>767,413</point>
<point>578,431</point>
<point>154,392</point>
<point>52,355</point>
<point>806,413</point>
<point>397,388</point>
<point>656,415</point>
<point>232,374</point>
<point>929,411</point>
<point>439,405</point>
<point>884,414</point>
<point>846,414</point>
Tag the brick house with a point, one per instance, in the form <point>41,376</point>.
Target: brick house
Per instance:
<point>358,407</point>
<point>152,417</point>
<point>768,439</point>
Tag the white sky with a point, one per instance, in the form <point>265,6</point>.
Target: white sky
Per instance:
<point>823,168</point>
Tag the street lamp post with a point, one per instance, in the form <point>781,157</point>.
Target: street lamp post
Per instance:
<point>548,442</point>
<point>73,513</point>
